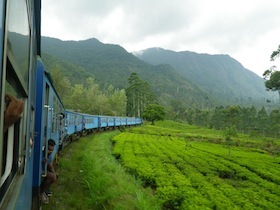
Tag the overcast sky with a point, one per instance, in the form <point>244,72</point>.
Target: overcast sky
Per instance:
<point>247,30</point>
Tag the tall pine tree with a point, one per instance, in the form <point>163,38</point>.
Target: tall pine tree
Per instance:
<point>139,95</point>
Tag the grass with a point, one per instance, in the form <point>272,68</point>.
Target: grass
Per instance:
<point>91,178</point>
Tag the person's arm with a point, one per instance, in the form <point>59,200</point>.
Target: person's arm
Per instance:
<point>13,111</point>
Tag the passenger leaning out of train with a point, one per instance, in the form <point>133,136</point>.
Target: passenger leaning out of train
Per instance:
<point>12,112</point>
<point>51,175</point>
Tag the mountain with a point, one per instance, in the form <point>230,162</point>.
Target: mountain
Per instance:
<point>193,79</point>
<point>75,73</point>
<point>112,64</point>
<point>220,75</point>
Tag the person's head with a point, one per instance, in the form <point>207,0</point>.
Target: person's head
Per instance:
<point>51,144</point>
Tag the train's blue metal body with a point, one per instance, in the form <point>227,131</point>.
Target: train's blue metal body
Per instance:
<point>123,121</point>
<point>19,35</point>
<point>49,121</point>
<point>90,122</point>
<point>103,122</point>
<point>23,147</point>
<point>111,122</point>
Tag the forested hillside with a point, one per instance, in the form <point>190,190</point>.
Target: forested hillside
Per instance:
<point>221,75</point>
<point>112,65</point>
<point>179,80</point>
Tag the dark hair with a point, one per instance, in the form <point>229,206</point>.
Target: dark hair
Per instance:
<point>51,142</point>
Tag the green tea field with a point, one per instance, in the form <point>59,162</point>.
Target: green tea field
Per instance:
<point>193,168</point>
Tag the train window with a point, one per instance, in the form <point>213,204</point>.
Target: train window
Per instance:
<point>57,115</point>
<point>72,119</point>
<point>78,120</point>
<point>53,114</point>
<point>13,143</point>
<point>19,39</point>
<point>16,64</point>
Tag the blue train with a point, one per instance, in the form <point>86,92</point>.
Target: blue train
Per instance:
<point>44,117</point>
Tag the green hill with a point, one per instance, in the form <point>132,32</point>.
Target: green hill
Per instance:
<point>189,78</point>
<point>220,75</point>
<point>111,64</point>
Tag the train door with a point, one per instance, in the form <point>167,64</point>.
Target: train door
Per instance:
<point>61,121</point>
<point>47,110</point>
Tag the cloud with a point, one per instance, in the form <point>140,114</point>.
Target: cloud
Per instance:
<point>246,30</point>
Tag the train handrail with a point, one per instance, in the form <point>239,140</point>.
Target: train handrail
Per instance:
<point>44,174</point>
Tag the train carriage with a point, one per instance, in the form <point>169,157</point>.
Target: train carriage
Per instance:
<point>111,122</point>
<point>133,119</point>
<point>20,38</point>
<point>138,121</point>
<point>74,124</point>
<point>49,117</point>
<point>103,122</point>
<point>123,121</point>
<point>129,121</point>
<point>117,121</point>
<point>90,123</point>
<point>22,74</point>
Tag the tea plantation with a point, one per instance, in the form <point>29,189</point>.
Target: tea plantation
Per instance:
<point>191,168</point>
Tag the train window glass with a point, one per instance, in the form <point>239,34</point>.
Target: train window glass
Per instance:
<point>16,84</point>
<point>11,147</point>
<point>77,120</point>
<point>18,39</point>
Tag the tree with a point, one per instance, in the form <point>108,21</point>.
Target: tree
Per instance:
<point>272,76</point>
<point>179,109</point>
<point>77,101</point>
<point>88,98</point>
<point>139,95</point>
<point>272,80</point>
<point>274,119</point>
<point>275,54</point>
<point>154,112</point>
<point>118,101</point>
<point>61,83</point>
<point>229,133</point>
<point>232,116</point>
<point>92,96</point>
<point>218,118</point>
<point>262,121</point>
